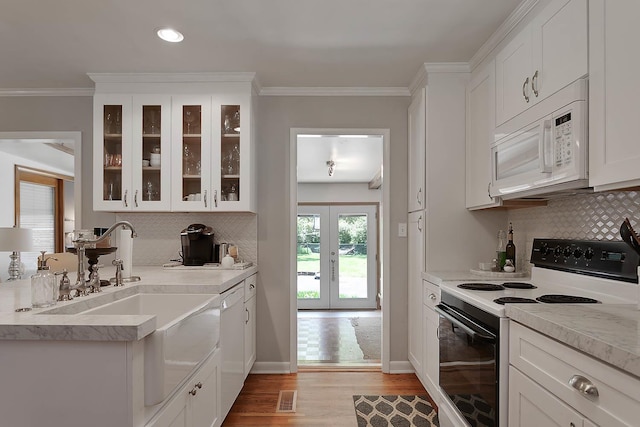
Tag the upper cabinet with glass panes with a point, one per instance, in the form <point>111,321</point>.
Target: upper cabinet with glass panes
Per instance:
<point>165,146</point>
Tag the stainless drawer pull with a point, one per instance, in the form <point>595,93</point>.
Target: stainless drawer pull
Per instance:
<point>584,386</point>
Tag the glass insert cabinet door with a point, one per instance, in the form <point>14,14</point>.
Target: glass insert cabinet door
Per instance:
<point>151,152</point>
<point>112,149</point>
<point>230,153</point>
<point>192,154</point>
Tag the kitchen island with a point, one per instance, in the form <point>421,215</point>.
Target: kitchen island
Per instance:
<point>74,365</point>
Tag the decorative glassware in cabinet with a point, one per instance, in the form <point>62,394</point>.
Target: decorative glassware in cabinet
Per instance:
<point>191,153</point>
<point>112,152</point>
<point>230,152</point>
<point>151,152</point>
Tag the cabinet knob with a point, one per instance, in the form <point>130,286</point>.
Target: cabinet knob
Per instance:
<point>584,386</point>
<point>193,391</point>
<point>432,296</point>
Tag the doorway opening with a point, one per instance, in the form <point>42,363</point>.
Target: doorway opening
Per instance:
<point>338,318</point>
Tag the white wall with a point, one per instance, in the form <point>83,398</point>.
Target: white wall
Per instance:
<point>275,117</point>
<point>349,193</point>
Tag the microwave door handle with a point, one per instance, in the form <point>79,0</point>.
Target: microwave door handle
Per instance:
<point>467,328</point>
<point>544,149</point>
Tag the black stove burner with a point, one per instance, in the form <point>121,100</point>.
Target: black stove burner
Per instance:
<point>518,285</point>
<point>514,300</point>
<point>566,299</point>
<point>481,287</point>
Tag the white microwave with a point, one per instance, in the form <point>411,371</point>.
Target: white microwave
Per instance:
<point>545,155</point>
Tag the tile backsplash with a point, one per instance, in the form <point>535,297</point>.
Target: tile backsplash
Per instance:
<point>595,216</point>
<point>159,233</point>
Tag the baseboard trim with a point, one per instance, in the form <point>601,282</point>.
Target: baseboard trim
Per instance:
<point>400,367</point>
<point>271,368</point>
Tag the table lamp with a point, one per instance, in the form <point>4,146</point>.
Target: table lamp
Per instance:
<point>15,240</point>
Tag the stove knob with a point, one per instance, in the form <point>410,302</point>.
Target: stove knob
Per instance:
<point>558,251</point>
<point>567,251</point>
<point>577,253</point>
<point>588,254</point>
<point>544,249</point>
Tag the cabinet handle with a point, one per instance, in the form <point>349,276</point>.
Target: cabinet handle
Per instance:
<point>489,190</point>
<point>420,223</point>
<point>524,86</point>
<point>215,198</point>
<point>584,386</point>
<point>135,198</point>
<point>419,196</point>
<point>248,316</point>
<point>432,296</point>
<point>205,198</point>
<point>193,391</point>
<point>333,270</point>
<point>572,425</point>
<point>199,384</point>
<point>126,204</point>
<point>252,286</point>
<point>534,83</point>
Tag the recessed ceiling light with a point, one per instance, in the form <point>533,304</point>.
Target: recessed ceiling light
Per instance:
<point>169,35</point>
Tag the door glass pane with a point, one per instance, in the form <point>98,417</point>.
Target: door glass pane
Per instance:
<point>151,151</point>
<point>352,256</point>
<point>308,256</point>
<point>191,152</point>
<point>112,143</point>
<point>37,212</point>
<point>230,153</point>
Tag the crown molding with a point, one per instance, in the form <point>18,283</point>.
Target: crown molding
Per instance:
<point>72,91</point>
<point>172,77</point>
<point>420,79</point>
<point>334,91</point>
<point>503,30</point>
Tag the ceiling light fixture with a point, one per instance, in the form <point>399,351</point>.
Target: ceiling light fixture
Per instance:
<point>331,166</point>
<point>169,34</point>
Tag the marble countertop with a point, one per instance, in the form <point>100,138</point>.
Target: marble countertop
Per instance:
<point>60,322</point>
<point>608,332</point>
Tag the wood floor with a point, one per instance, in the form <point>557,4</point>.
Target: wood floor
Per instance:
<point>324,398</point>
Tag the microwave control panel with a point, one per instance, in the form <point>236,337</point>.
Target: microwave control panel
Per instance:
<point>563,140</point>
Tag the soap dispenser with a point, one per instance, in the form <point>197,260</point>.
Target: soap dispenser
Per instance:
<point>43,285</point>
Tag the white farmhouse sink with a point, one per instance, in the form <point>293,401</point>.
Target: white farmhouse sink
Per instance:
<point>187,331</point>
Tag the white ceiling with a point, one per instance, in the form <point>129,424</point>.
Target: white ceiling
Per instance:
<point>357,158</point>
<point>305,43</point>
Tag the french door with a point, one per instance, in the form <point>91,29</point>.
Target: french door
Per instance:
<point>337,262</point>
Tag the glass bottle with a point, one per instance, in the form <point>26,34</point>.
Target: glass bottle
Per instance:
<point>43,285</point>
<point>510,249</point>
<point>501,254</point>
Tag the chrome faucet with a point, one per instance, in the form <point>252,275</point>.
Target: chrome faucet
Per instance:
<point>80,244</point>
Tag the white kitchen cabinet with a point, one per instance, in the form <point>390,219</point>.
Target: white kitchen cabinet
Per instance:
<point>417,140</point>
<point>127,130</point>
<point>614,152</point>
<point>197,135</point>
<point>416,240</point>
<point>481,102</point>
<point>431,345</point>
<point>249,323</point>
<point>548,396</point>
<point>547,55</point>
<point>197,403</point>
<point>532,406</point>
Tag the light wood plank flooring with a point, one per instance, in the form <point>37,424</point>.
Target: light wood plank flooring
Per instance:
<point>324,398</point>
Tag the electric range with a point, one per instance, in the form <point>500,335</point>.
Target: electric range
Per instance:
<point>474,330</point>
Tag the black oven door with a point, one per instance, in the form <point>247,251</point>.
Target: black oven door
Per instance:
<point>468,365</point>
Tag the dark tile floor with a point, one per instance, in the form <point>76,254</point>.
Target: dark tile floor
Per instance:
<point>327,337</point>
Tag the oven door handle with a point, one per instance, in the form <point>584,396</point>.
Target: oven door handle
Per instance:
<point>473,330</point>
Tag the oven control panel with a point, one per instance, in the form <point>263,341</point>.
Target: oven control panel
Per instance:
<point>611,259</point>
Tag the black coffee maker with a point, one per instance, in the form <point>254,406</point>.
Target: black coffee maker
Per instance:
<point>197,244</point>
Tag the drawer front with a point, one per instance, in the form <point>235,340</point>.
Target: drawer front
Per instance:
<point>430,294</point>
<point>553,365</point>
<point>250,287</point>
